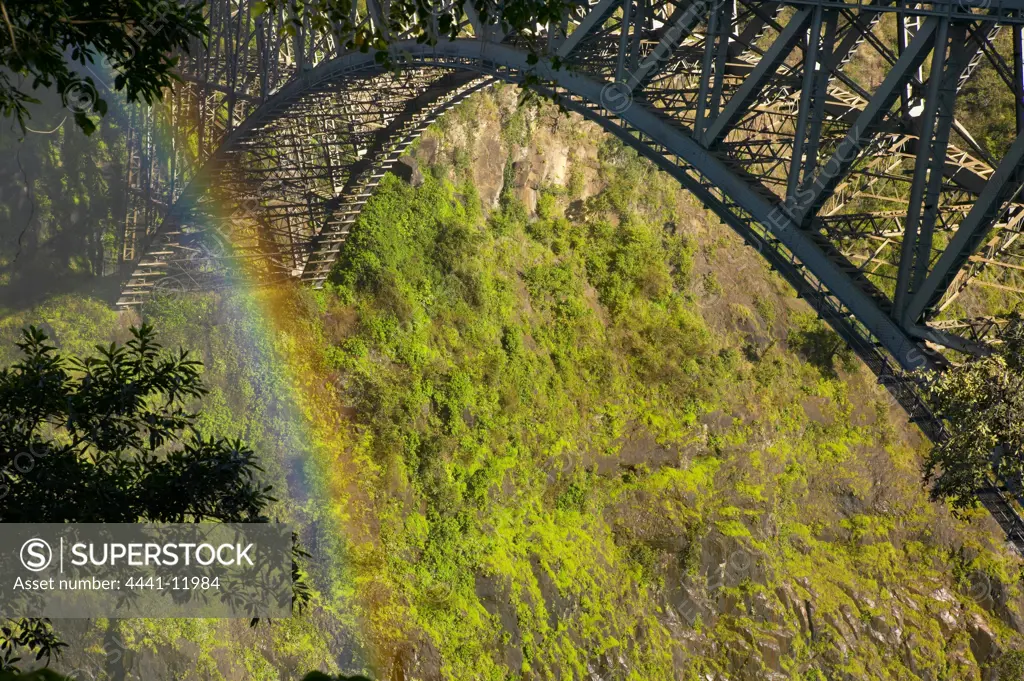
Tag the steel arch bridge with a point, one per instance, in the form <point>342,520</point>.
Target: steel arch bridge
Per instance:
<point>830,135</point>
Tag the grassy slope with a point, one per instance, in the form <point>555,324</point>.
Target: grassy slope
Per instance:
<point>597,438</point>
<point>569,443</point>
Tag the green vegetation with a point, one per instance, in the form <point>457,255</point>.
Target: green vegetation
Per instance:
<point>535,390</point>
<point>982,401</point>
<point>984,106</point>
<point>138,39</point>
<point>581,431</point>
<point>107,438</point>
<point>819,345</point>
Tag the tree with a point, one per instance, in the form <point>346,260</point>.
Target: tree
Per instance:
<point>139,39</point>
<point>982,403</point>
<point>39,42</point>
<point>109,438</point>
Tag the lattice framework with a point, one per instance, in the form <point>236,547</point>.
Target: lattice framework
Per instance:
<point>829,134</point>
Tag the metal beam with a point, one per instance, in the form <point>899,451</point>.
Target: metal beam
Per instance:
<point>723,34</point>
<point>765,70</point>
<point>857,31</point>
<point>818,189</point>
<point>959,55</point>
<point>377,17</point>
<point>1005,183</point>
<point>1009,11</point>
<point>639,21</point>
<point>687,14</point>
<point>708,76</point>
<point>512,63</point>
<point>479,29</point>
<point>624,44</point>
<point>594,19</point>
<point>950,340</point>
<point>753,29</point>
<point>820,96</point>
<point>931,157</point>
<point>1018,76</point>
<point>812,99</point>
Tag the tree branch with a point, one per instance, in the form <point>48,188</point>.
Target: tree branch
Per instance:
<point>10,28</point>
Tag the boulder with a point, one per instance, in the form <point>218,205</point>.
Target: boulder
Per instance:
<point>983,641</point>
<point>408,170</point>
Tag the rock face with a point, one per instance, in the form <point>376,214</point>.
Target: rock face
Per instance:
<point>769,604</point>
<point>983,640</point>
<point>840,586</point>
<point>407,169</point>
<point>513,151</point>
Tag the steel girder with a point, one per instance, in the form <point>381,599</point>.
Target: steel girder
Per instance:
<point>282,200</point>
<point>860,194</point>
<point>471,54</point>
<point>729,104</point>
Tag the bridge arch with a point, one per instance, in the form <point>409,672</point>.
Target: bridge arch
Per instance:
<point>286,174</point>
<point>797,255</point>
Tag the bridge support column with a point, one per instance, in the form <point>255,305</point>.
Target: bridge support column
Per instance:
<point>948,60</point>
<point>1018,75</point>
<point>819,188</point>
<point>817,58</point>
<point>716,50</point>
<point>766,69</point>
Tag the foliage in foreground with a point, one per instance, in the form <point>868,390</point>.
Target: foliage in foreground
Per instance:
<point>982,402</point>
<point>138,39</point>
<point>108,438</point>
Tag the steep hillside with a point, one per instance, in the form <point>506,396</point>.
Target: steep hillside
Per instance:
<point>550,420</point>
<point>635,451</point>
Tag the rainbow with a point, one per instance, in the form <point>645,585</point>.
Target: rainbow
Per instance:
<point>339,478</point>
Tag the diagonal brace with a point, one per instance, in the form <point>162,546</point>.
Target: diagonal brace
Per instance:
<point>1006,183</point>
<point>926,185</point>
<point>684,18</point>
<point>812,98</point>
<point>758,78</point>
<point>595,19</point>
<point>819,188</point>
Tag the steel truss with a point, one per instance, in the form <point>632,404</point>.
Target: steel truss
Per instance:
<point>839,154</point>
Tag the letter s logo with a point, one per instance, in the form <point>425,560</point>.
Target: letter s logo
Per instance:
<point>36,555</point>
